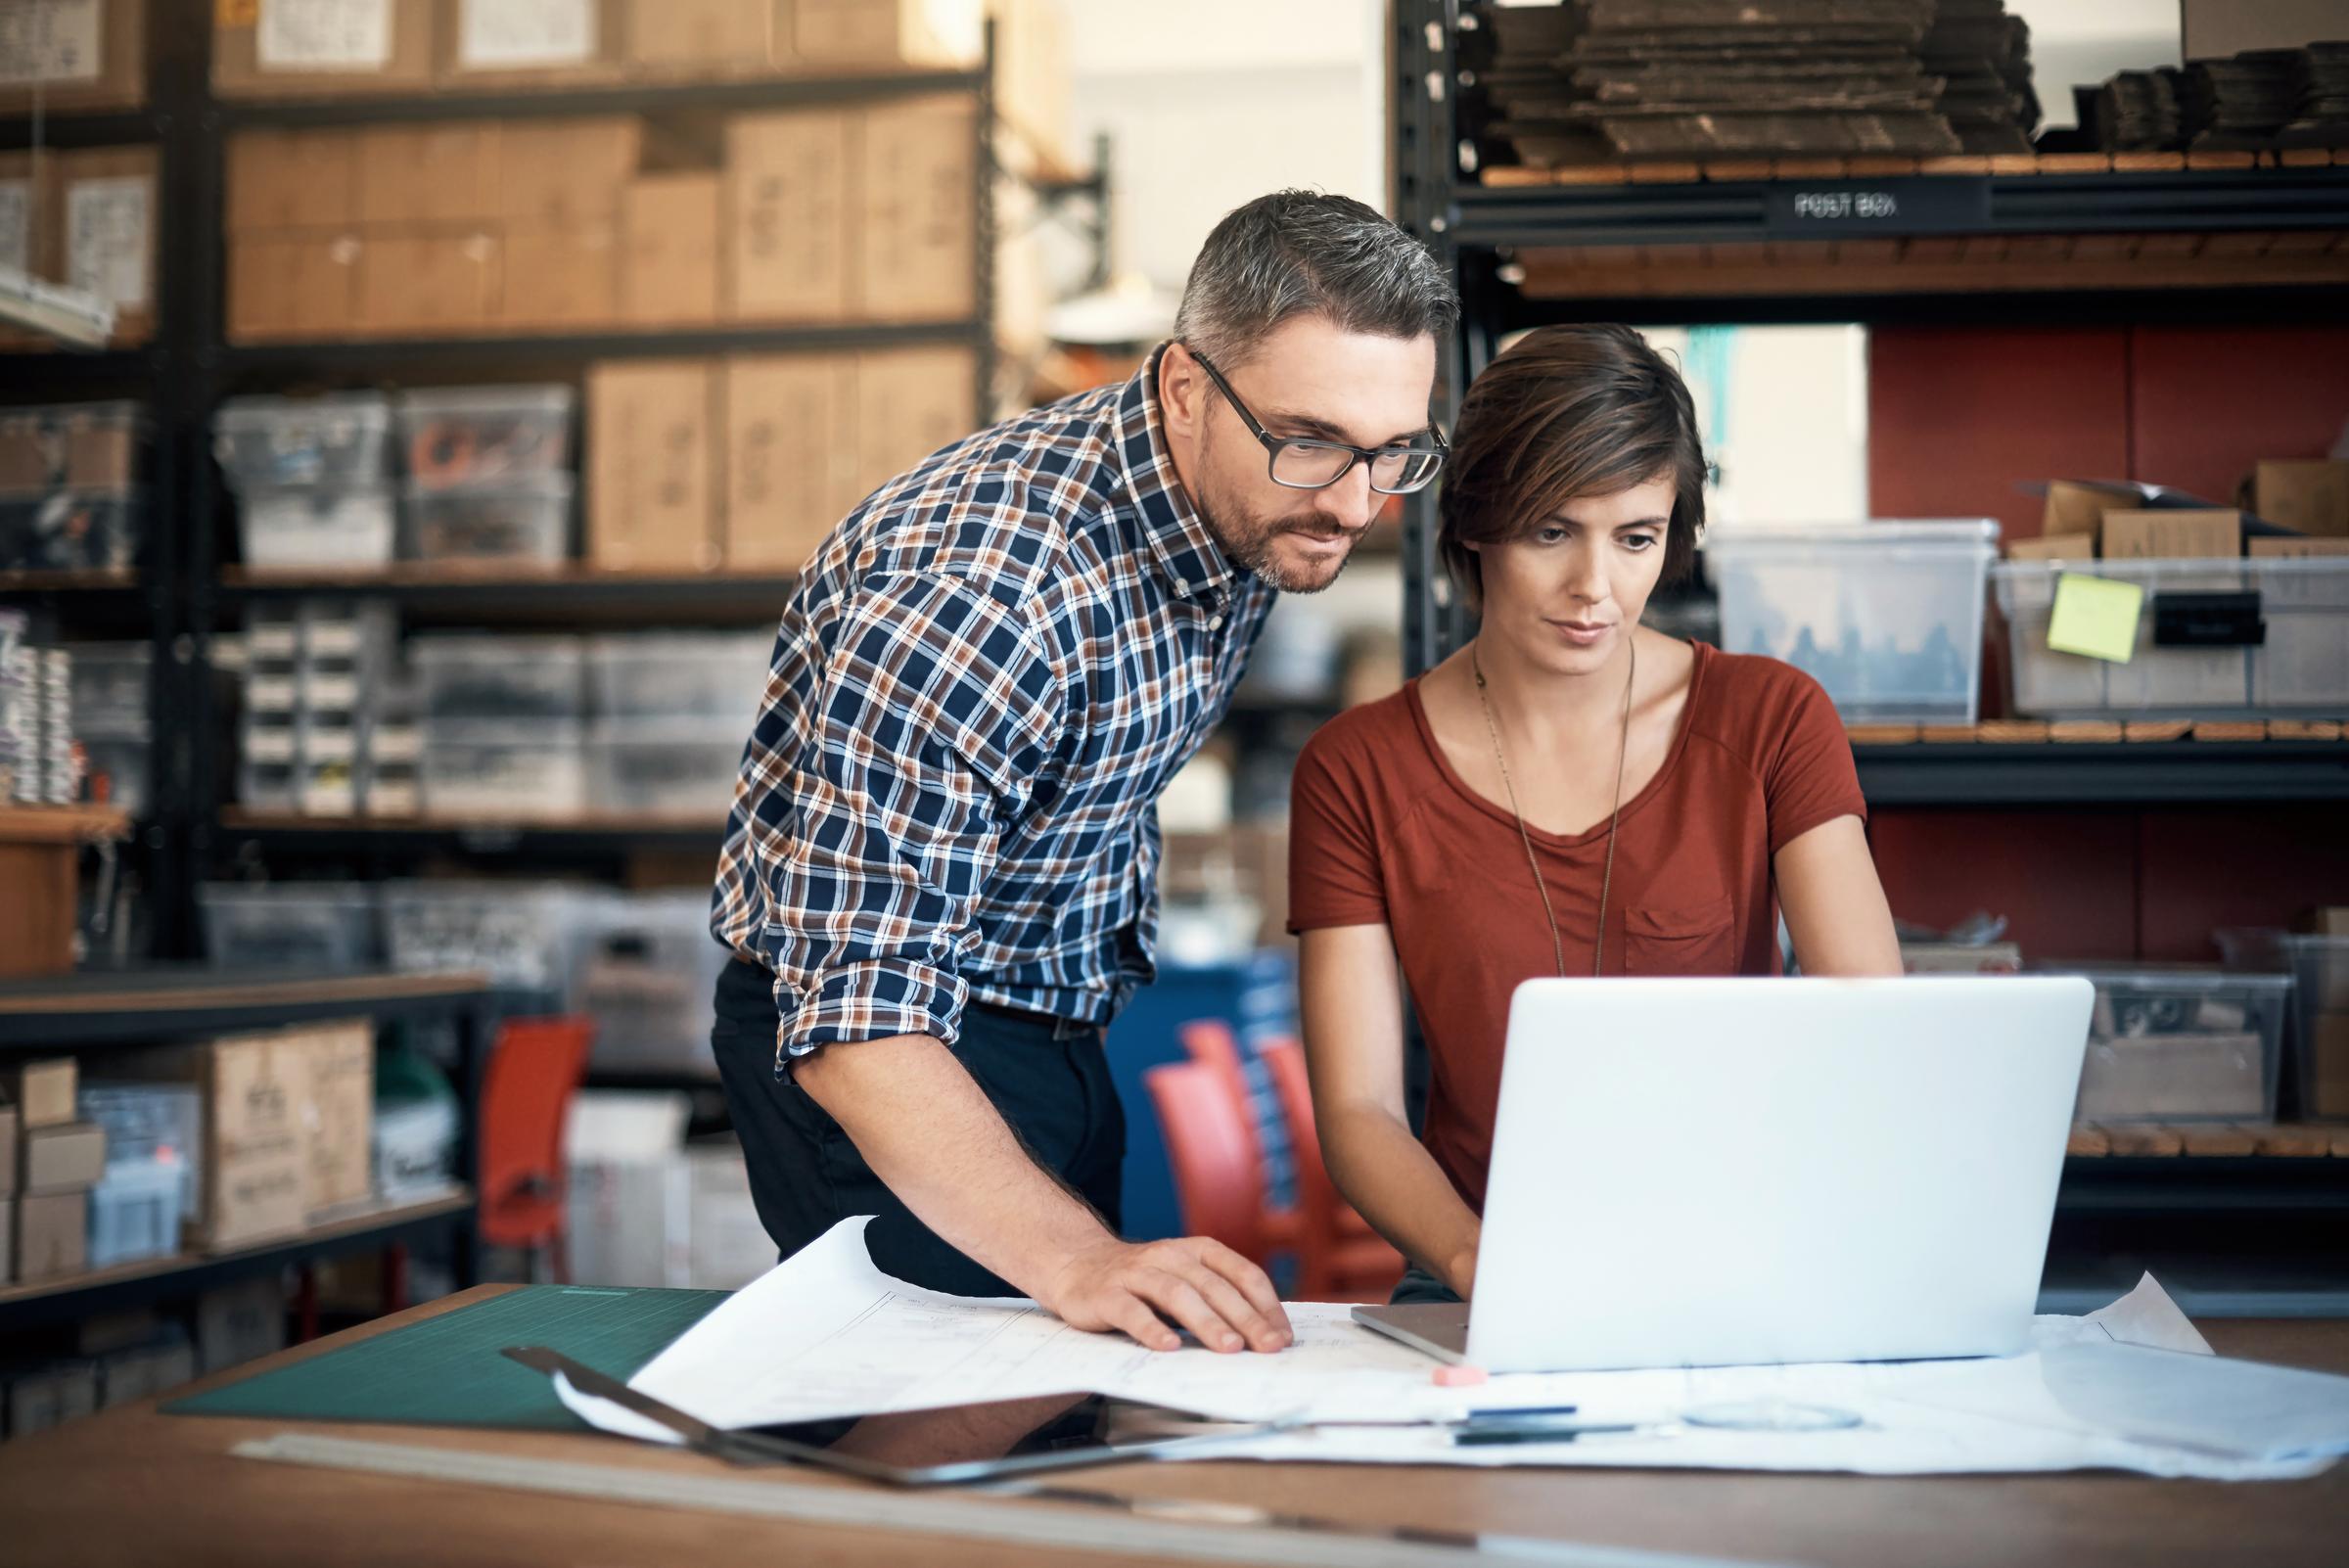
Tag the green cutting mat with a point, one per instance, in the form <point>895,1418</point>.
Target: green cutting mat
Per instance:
<point>446,1370</point>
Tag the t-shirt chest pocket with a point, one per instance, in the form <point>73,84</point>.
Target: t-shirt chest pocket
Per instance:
<point>1693,939</point>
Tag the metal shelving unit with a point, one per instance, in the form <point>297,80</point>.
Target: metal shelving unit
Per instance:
<point>2068,773</point>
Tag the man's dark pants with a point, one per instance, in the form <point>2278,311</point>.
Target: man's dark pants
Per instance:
<point>1052,1084</point>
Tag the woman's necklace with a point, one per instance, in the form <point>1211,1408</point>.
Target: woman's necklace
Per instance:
<point>1558,944</point>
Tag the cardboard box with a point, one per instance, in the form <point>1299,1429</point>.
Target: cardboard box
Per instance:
<point>50,1395</point>
<point>429,284</point>
<point>791,466</point>
<point>107,218</point>
<point>2076,506</point>
<point>559,279</point>
<point>2055,548</point>
<point>2310,496</point>
<point>487,44</point>
<point>239,1324</point>
<point>338,1114</point>
<point>2172,536</point>
<point>700,37</point>
<point>53,1230</point>
<point>299,49</point>
<point>566,174</point>
<point>67,1158</point>
<point>2215,29</point>
<point>252,1180</point>
<point>8,1246</point>
<point>1034,86</point>
<point>786,218</point>
<point>292,179</point>
<point>2296,548</point>
<point>43,1091</point>
<point>293,286</point>
<point>668,250</point>
<point>8,1162</point>
<point>880,34</point>
<point>909,403</point>
<point>652,484</point>
<point>2324,1086</point>
<point>917,222</point>
<point>81,53</point>
<point>431,173</point>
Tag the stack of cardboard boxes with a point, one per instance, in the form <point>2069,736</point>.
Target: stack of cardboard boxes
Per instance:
<point>86,218</point>
<point>48,1163</point>
<point>2323,965</point>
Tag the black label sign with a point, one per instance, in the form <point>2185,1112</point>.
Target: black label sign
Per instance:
<point>1918,206</point>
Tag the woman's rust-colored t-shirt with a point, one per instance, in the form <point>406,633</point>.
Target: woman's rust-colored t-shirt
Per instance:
<point>1382,831</point>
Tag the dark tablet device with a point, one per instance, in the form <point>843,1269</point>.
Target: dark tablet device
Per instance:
<point>995,1439</point>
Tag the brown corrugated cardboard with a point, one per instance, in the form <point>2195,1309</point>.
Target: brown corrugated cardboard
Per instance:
<point>264,50</point>
<point>107,218</point>
<point>338,1114</point>
<point>490,44</point>
<point>8,1160</point>
<point>880,33</point>
<point>52,1235</point>
<point>917,219</point>
<point>1033,85</point>
<point>559,279</point>
<point>431,173</point>
<point>62,1159</point>
<point>95,56</point>
<point>2325,1090</point>
<point>2078,507</point>
<point>909,403</point>
<point>566,174</point>
<point>699,38</point>
<point>2217,30</point>
<point>250,1180</point>
<point>786,218</point>
<point>2297,547</point>
<point>428,283</point>
<point>669,263</point>
<point>652,496</point>
<point>293,286</point>
<point>302,179</point>
<point>43,1091</point>
<point>2172,535</point>
<point>2053,547</point>
<point>790,456</point>
<point>2310,496</point>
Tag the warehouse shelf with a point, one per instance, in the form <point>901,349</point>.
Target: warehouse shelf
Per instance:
<point>44,374</point>
<point>505,353</point>
<point>341,836</point>
<point>18,584</point>
<point>359,1228</point>
<point>563,596</point>
<point>63,129</point>
<point>164,1002</point>
<point>2180,772</point>
<point>730,95</point>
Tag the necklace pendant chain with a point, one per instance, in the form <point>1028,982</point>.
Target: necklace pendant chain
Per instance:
<point>1606,882</point>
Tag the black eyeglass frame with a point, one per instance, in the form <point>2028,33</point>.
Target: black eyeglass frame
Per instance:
<point>1367,455</point>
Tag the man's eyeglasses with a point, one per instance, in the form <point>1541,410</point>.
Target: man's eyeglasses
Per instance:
<point>1301,463</point>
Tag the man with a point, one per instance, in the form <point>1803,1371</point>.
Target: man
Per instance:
<point>941,870</point>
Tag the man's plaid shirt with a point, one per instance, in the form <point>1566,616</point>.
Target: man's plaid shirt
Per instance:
<point>982,683</point>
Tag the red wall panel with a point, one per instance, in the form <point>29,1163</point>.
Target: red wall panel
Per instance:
<point>2066,881</point>
<point>2207,403</point>
<point>2207,868</point>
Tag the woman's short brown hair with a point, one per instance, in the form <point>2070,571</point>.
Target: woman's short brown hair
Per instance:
<point>1568,411</point>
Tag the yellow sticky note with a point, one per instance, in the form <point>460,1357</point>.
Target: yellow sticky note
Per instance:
<point>2095,617</point>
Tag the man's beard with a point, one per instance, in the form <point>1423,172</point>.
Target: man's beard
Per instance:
<point>1252,542</point>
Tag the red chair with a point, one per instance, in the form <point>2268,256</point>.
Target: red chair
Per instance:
<point>535,1068</point>
<point>1213,1045</point>
<point>1219,1184</point>
<point>1339,1257</point>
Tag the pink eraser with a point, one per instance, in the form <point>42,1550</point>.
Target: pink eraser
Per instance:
<point>1458,1376</point>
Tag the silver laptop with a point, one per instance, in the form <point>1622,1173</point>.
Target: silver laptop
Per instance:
<point>1714,1173</point>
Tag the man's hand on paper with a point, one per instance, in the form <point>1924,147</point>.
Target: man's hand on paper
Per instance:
<point>1200,1284</point>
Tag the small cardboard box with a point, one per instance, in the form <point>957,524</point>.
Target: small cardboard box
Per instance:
<point>79,54</point>
<point>2172,536</point>
<point>879,34</point>
<point>700,37</point>
<point>669,249</point>
<point>2298,547</point>
<point>559,279</point>
<point>652,497</point>
<point>787,216</point>
<point>108,223</point>
<point>299,48</point>
<point>428,283</point>
<point>441,173</point>
<point>566,174</point>
<point>295,286</point>
<point>252,1180</point>
<point>43,1091</point>
<point>2055,548</point>
<point>2076,506</point>
<point>291,179</point>
<point>338,1114</point>
<point>52,1232</point>
<point>917,221</point>
<point>521,44</point>
<point>791,466</point>
<point>2324,1090</point>
<point>2310,496</point>
<point>66,1158</point>
<point>909,403</point>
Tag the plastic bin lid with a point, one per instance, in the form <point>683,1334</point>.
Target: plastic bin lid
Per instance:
<point>1972,531</point>
<point>2169,975</point>
<point>268,410</point>
<point>441,401</point>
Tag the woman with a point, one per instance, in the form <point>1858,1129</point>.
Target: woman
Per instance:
<point>1570,794</point>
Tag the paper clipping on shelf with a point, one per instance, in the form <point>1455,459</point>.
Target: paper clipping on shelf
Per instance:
<point>2132,1387</point>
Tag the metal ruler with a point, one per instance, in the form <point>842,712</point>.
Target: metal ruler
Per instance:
<point>1142,1527</point>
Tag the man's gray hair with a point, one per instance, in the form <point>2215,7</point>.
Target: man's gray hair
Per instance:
<point>1303,252</point>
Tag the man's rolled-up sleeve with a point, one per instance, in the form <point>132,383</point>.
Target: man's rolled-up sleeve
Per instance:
<point>878,823</point>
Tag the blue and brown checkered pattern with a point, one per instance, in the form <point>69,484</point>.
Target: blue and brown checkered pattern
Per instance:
<point>981,685</point>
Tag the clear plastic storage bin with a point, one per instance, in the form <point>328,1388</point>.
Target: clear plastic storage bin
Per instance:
<point>649,977</point>
<point>336,442</point>
<point>458,437</point>
<point>2318,967</point>
<point>2215,639</point>
<point>110,686</point>
<point>135,1210</point>
<point>51,446</point>
<point>470,676</point>
<point>637,768</point>
<point>712,675</point>
<point>317,526</point>
<point>310,926</point>
<point>98,529</point>
<point>523,523</point>
<point>1886,616</point>
<point>2183,1046</point>
<point>529,770</point>
<point>146,1120</point>
<point>523,934</point>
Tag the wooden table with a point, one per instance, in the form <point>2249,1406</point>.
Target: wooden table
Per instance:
<point>131,1486</point>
